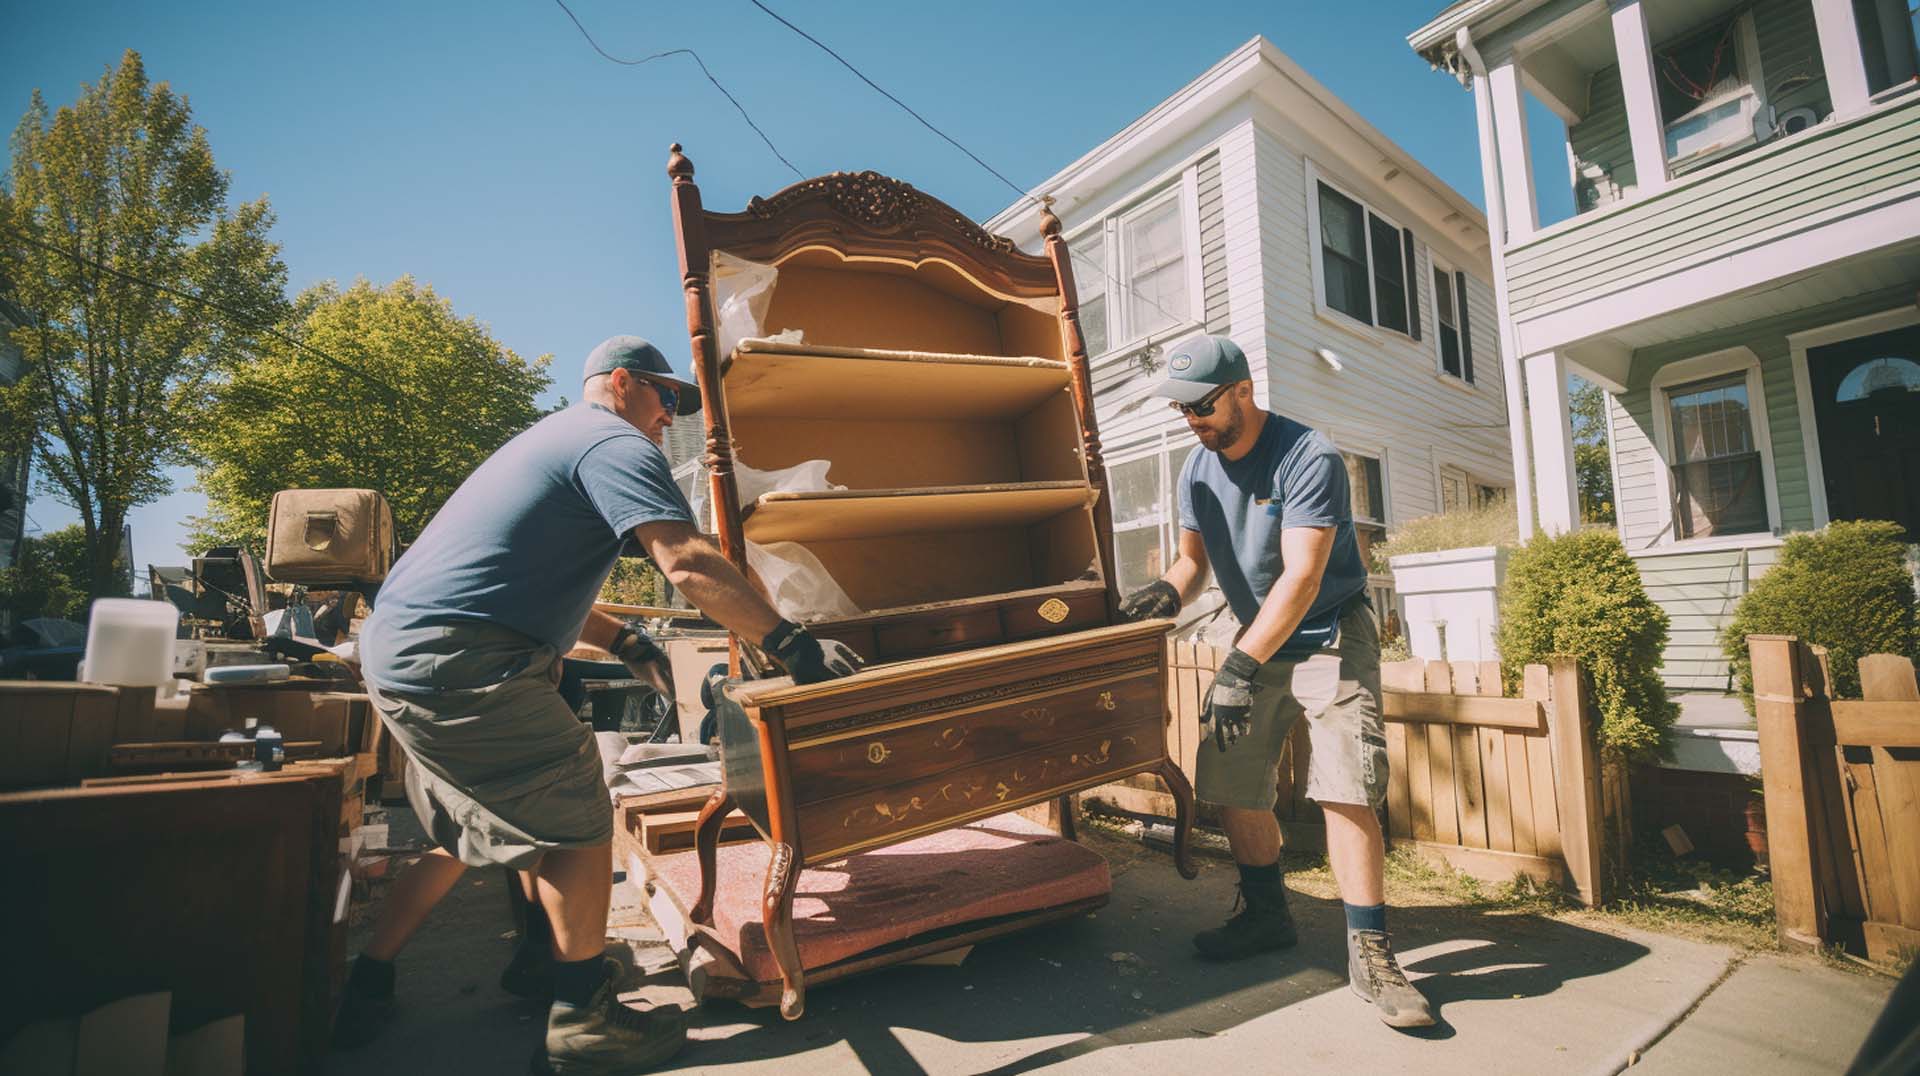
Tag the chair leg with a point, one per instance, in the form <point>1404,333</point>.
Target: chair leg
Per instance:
<point>776,915</point>
<point>1182,792</point>
<point>1065,806</point>
<point>706,845</point>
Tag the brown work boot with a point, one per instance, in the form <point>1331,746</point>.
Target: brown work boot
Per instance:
<point>608,1038</point>
<point>1262,924</point>
<point>1376,976</point>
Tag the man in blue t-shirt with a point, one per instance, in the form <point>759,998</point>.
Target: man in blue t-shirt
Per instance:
<point>462,659</point>
<point>1267,507</point>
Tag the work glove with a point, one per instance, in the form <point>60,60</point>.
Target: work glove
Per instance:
<point>644,659</point>
<point>1156,599</point>
<point>807,659</point>
<point>1230,700</point>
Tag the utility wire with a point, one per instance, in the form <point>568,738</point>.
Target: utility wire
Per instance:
<point>237,317</point>
<point>703,70</point>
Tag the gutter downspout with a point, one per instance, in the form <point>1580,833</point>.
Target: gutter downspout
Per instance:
<point>1497,235</point>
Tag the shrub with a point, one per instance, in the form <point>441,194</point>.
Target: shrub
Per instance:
<point>1846,588</point>
<point>1579,595</point>
<point>1492,524</point>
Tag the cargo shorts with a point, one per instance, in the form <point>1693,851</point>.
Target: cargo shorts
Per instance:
<point>1347,738</point>
<point>501,774</point>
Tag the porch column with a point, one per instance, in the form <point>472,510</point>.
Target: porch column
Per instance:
<point>1549,416</point>
<point>1840,53</point>
<point>1645,131</point>
<point>1516,163</point>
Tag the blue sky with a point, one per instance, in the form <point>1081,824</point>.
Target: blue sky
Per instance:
<point>484,148</point>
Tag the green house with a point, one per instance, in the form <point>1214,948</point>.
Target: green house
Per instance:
<point>1741,273</point>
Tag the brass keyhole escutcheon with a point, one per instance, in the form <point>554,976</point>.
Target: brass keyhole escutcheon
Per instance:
<point>1106,700</point>
<point>1053,610</point>
<point>877,752</point>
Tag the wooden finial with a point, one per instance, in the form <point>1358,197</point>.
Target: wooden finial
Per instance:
<point>677,164</point>
<point>1049,224</point>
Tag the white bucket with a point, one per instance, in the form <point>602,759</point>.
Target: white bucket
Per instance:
<point>130,642</point>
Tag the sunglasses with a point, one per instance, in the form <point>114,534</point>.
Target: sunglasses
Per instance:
<point>669,396</point>
<point>1203,407</point>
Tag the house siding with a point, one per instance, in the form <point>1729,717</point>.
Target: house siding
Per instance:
<point>1872,161</point>
<point>1699,592</point>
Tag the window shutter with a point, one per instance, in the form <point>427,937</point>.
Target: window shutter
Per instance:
<point>1413,286</point>
<point>1466,332</point>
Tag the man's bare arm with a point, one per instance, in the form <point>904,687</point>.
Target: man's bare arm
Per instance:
<point>709,580</point>
<point>1188,572</point>
<point>1303,552</point>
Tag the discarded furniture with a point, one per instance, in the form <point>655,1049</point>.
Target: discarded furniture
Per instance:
<point>942,374</point>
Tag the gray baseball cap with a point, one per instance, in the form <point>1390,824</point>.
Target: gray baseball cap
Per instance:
<point>644,360</point>
<point>1200,364</point>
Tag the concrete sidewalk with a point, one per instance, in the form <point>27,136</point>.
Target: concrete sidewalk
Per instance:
<point>1118,991</point>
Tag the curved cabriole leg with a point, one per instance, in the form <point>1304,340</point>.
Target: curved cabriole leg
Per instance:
<point>706,845</point>
<point>776,915</point>
<point>1066,817</point>
<point>1182,792</point>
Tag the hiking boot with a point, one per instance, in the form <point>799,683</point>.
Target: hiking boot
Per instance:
<point>1376,976</point>
<point>607,1037</point>
<point>1262,924</point>
<point>362,1017</point>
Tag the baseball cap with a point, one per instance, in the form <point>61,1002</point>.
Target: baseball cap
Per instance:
<point>642,358</point>
<point>1200,364</point>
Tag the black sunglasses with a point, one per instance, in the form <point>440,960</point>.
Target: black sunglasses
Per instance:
<point>1203,407</point>
<point>669,396</point>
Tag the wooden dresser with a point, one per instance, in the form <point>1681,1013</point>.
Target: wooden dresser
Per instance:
<point>942,373</point>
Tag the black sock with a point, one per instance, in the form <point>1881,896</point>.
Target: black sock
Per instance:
<point>371,978</point>
<point>576,981</point>
<point>536,934</point>
<point>1263,877</point>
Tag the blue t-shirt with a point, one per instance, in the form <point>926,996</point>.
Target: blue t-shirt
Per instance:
<point>515,558</point>
<point>1293,477</point>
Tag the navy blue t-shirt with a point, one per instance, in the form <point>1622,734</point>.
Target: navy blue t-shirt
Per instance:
<point>524,545</point>
<point>1293,477</point>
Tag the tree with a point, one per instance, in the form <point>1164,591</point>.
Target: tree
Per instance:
<point>114,194</point>
<point>416,398</point>
<point>44,579</point>
<point>634,582</point>
<point>1592,468</point>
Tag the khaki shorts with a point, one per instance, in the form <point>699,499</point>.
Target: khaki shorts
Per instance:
<point>501,774</point>
<point>1348,740</point>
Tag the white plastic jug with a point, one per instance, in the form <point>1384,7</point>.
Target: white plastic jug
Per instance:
<point>130,642</point>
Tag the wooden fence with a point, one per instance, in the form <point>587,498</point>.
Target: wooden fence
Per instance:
<point>1494,787</point>
<point>1842,780</point>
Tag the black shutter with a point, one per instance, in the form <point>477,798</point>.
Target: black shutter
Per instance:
<point>1413,286</point>
<point>1466,335</point>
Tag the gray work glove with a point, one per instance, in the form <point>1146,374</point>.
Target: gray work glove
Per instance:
<point>644,659</point>
<point>1155,600</point>
<point>807,659</point>
<point>1229,706</point>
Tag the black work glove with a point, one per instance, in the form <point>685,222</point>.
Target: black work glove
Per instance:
<point>1229,704</point>
<point>807,659</point>
<point>644,659</point>
<point>1156,599</point>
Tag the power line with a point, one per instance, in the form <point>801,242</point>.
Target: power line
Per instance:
<point>703,70</point>
<point>243,320</point>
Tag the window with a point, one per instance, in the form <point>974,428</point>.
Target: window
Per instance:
<point>1454,489</point>
<point>1718,486</point>
<point>1889,40</point>
<point>1134,273</point>
<point>1368,491</point>
<point>1706,82</point>
<point>1449,319</point>
<point>1365,263</point>
<point>1146,513</point>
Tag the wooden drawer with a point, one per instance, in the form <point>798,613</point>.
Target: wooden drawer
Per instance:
<point>931,635</point>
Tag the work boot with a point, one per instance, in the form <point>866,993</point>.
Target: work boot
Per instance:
<point>608,1038</point>
<point>529,975</point>
<point>1376,976</point>
<point>364,1013</point>
<point>1262,924</point>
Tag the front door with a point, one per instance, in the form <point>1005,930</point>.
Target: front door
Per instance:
<point>1866,395</point>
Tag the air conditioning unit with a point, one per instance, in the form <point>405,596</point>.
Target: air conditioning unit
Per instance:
<point>1791,122</point>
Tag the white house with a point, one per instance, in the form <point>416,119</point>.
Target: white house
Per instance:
<point>1255,203</point>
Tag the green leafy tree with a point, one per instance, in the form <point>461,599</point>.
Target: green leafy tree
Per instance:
<point>45,577</point>
<point>416,398</point>
<point>118,189</point>
<point>1580,595</point>
<point>1592,467</point>
<point>1846,588</point>
<point>634,582</point>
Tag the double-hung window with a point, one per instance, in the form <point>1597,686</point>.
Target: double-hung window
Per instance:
<point>1718,482</point>
<point>1146,512</point>
<point>1367,490</point>
<point>1364,262</point>
<point>1134,272</point>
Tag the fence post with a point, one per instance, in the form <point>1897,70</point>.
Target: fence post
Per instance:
<point>1577,775</point>
<point>1778,697</point>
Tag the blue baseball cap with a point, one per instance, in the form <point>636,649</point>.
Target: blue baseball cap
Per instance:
<point>1200,364</point>
<point>643,360</point>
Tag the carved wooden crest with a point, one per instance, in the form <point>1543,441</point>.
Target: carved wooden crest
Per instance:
<point>877,202</point>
